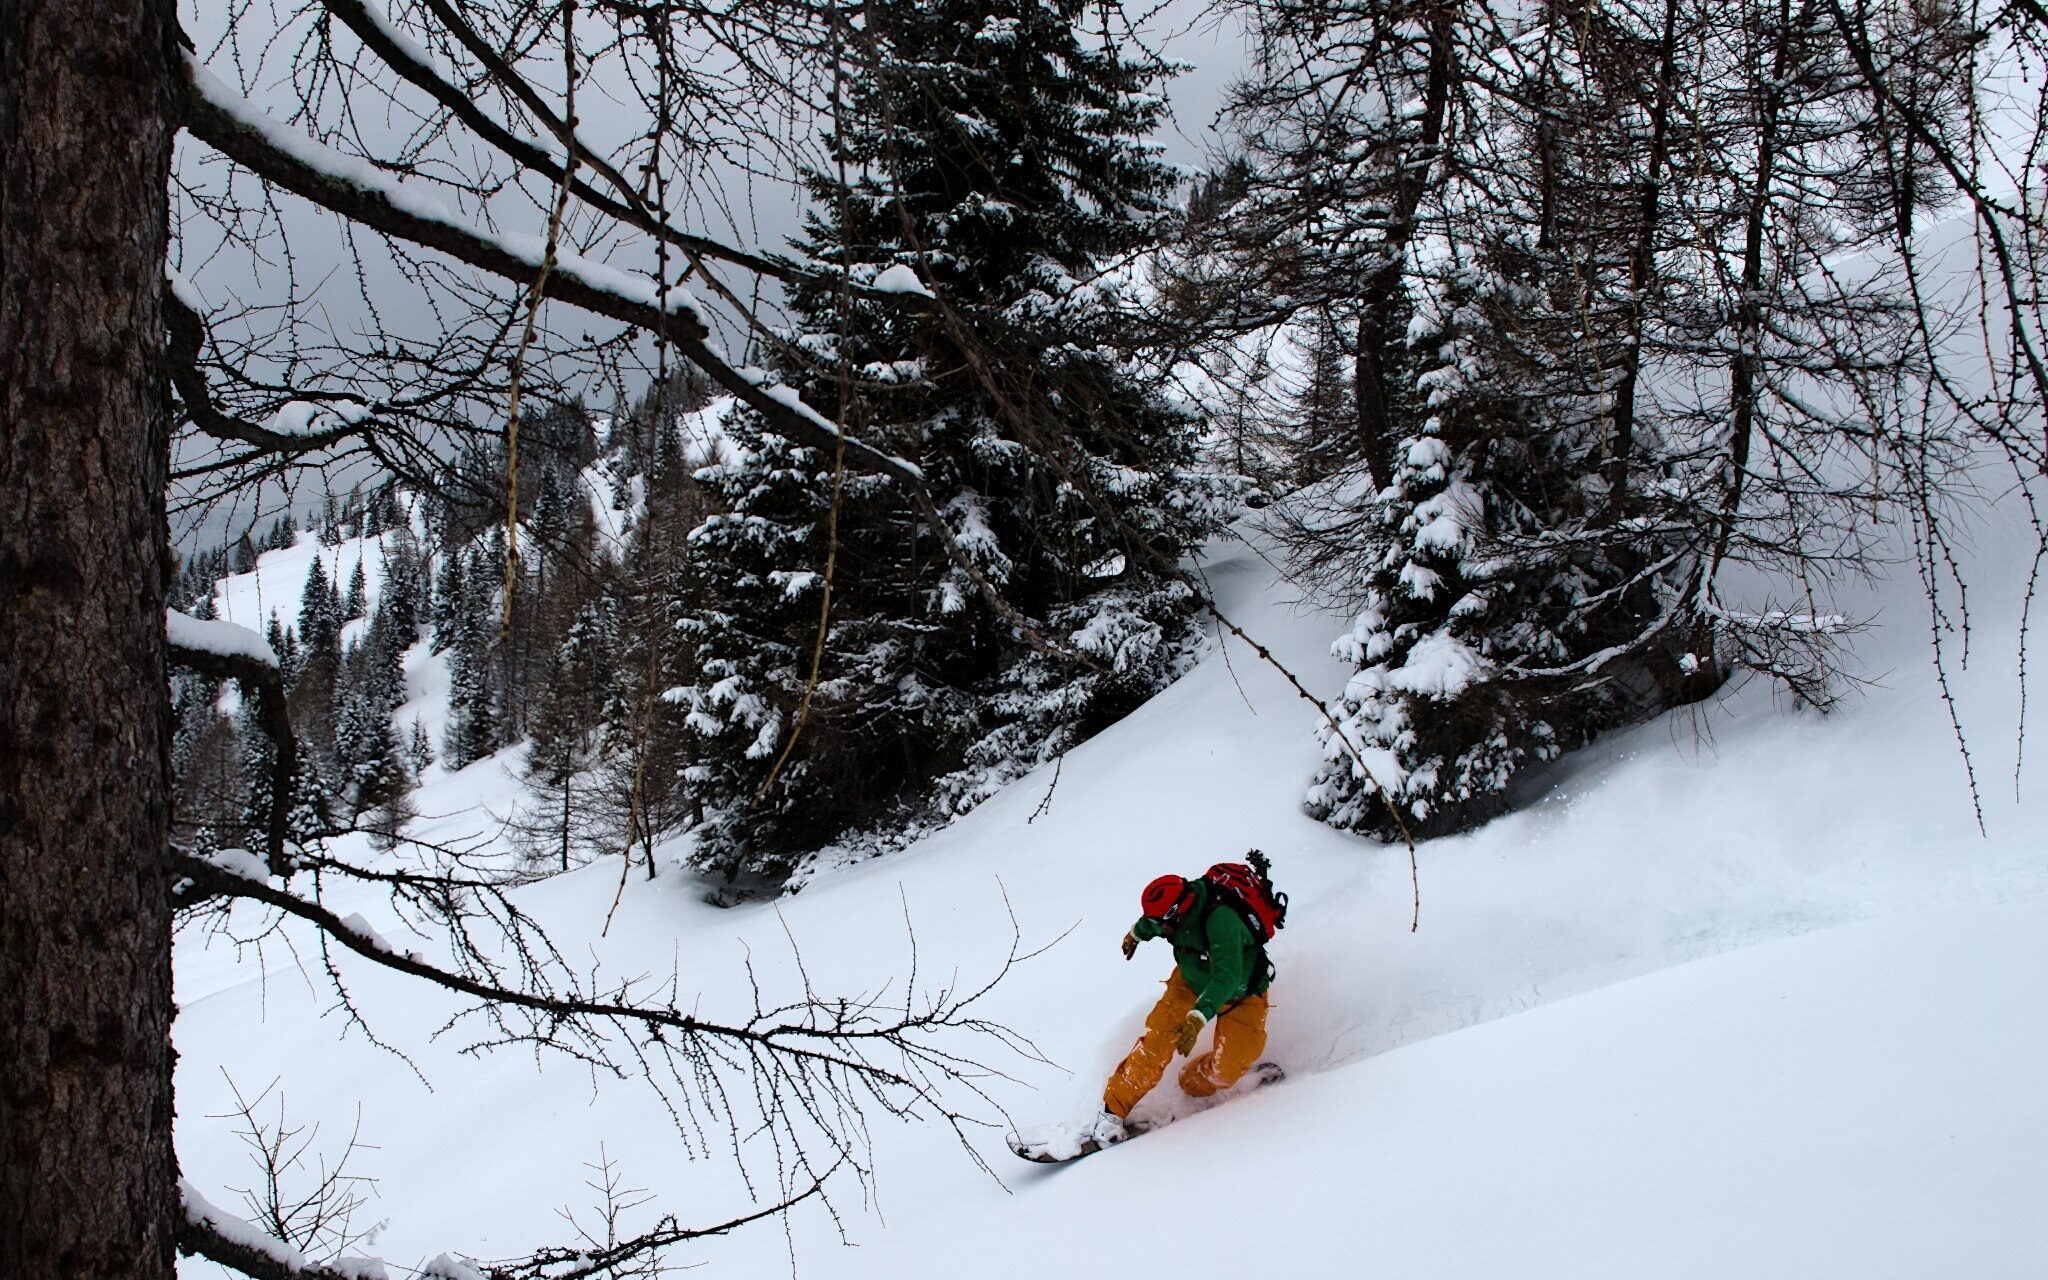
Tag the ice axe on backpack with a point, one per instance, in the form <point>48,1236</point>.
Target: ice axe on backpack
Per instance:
<point>1246,886</point>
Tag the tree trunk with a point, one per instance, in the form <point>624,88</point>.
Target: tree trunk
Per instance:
<point>1642,267</point>
<point>1381,323</point>
<point>86,1167</point>
<point>1749,319</point>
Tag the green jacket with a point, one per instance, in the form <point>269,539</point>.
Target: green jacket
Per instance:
<point>1216,950</point>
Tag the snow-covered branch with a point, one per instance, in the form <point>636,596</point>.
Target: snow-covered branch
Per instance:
<point>627,206</point>
<point>411,63</point>
<point>207,1231</point>
<point>224,120</point>
<point>187,328</point>
<point>230,648</point>
<point>225,651</point>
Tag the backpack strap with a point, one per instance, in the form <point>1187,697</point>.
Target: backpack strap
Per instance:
<point>1263,960</point>
<point>1213,895</point>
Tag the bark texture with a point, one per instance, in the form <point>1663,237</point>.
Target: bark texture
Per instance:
<point>87,1175</point>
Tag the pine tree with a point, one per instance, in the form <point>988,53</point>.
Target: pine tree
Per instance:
<point>284,644</point>
<point>366,758</point>
<point>1498,534</point>
<point>472,720</point>
<point>316,680</point>
<point>369,757</point>
<point>547,522</point>
<point>564,732</point>
<point>1445,602</point>
<point>355,604</point>
<point>1538,556</point>
<point>474,702</point>
<point>403,598</point>
<point>419,751</point>
<point>991,152</point>
<point>258,765</point>
<point>205,763</point>
<point>450,596</point>
<point>562,434</point>
<point>314,804</point>
<point>320,619</point>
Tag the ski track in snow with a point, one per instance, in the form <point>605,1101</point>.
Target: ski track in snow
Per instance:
<point>1741,1088</point>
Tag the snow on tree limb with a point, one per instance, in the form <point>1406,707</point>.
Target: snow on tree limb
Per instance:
<point>207,1231</point>
<point>187,327</point>
<point>221,639</point>
<point>901,278</point>
<point>351,187</point>
<point>238,862</point>
<point>225,651</point>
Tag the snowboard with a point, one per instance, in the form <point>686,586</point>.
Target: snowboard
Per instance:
<point>1065,1143</point>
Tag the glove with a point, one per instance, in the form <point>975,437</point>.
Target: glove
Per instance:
<point>1190,1028</point>
<point>1130,945</point>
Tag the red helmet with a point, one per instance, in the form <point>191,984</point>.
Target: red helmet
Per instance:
<point>1163,898</point>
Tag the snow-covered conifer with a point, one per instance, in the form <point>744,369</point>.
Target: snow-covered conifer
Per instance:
<point>419,749</point>
<point>450,595</point>
<point>1426,724</point>
<point>475,702</point>
<point>564,734</point>
<point>403,598</point>
<point>355,602</point>
<point>320,617</point>
<point>993,156</point>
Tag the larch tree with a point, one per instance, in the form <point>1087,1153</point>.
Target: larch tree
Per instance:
<point>1550,223</point>
<point>87,99</point>
<point>122,381</point>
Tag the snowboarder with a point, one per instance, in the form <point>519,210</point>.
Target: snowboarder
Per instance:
<point>1218,925</point>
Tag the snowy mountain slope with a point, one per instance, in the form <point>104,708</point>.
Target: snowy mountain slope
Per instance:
<point>1773,1112</point>
<point>278,581</point>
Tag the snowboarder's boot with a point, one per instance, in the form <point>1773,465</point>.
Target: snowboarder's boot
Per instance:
<point>1265,1073</point>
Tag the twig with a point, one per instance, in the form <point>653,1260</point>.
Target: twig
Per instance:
<point>1045,801</point>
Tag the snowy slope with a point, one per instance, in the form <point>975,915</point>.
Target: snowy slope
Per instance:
<point>1857,1102</point>
<point>1739,1089</point>
<point>278,582</point>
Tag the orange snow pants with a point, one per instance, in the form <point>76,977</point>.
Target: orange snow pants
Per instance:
<point>1240,1038</point>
